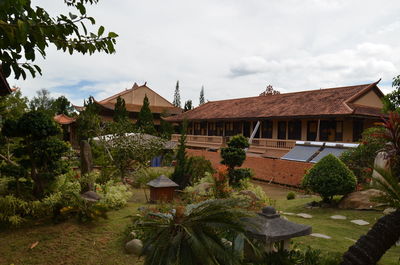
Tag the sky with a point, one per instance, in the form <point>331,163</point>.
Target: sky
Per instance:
<point>233,48</point>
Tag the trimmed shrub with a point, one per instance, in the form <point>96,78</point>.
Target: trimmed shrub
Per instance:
<point>199,165</point>
<point>330,177</point>
<point>291,196</point>
<point>237,176</point>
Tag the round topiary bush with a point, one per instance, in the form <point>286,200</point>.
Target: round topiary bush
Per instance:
<point>330,177</point>
<point>291,195</point>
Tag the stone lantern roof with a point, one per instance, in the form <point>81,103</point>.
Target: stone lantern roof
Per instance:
<point>162,182</point>
<point>268,227</point>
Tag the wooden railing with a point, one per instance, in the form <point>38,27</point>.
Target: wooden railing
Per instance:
<point>259,145</point>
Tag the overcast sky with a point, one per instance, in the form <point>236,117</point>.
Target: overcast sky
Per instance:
<point>233,48</point>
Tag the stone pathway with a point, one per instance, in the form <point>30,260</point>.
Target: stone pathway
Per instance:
<point>359,222</point>
<point>304,215</point>
<point>320,235</point>
<point>338,217</point>
<point>285,213</point>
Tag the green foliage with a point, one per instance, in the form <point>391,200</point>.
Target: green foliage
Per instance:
<point>180,176</point>
<point>291,196</point>
<point>120,112</point>
<point>61,105</point>
<point>188,105</point>
<point>390,187</point>
<point>361,159</point>
<point>177,96</point>
<point>201,99</point>
<point>192,234</point>
<point>391,101</point>
<point>145,121</point>
<point>43,102</point>
<point>296,256</point>
<point>166,128</point>
<point>145,175</point>
<point>198,166</point>
<point>237,175</point>
<point>88,120</point>
<point>330,177</point>
<point>13,106</point>
<point>113,195</point>
<point>28,30</point>
<point>41,150</point>
<point>130,152</point>
<point>233,156</point>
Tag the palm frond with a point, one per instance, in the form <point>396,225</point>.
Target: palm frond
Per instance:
<point>389,185</point>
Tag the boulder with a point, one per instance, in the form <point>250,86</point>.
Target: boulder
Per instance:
<point>134,246</point>
<point>251,194</point>
<point>91,196</point>
<point>359,200</point>
<point>203,187</point>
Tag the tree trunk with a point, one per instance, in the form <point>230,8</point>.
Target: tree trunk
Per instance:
<point>370,247</point>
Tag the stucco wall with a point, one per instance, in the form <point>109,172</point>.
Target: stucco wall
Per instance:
<point>370,99</point>
<point>268,169</point>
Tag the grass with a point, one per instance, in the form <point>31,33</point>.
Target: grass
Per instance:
<point>102,242</point>
<point>343,232</point>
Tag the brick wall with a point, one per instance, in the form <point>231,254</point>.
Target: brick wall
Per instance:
<point>268,169</point>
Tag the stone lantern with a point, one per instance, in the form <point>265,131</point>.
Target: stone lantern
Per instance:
<point>269,228</point>
<point>162,189</point>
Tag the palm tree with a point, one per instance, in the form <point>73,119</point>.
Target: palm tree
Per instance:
<point>386,231</point>
<point>194,235</point>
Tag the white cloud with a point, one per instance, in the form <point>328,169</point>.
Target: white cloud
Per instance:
<point>234,48</point>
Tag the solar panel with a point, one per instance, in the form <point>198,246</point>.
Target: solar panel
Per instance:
<point>328,150</point>
<point>301,153</point>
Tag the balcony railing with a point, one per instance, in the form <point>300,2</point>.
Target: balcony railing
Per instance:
<point>258,145</point>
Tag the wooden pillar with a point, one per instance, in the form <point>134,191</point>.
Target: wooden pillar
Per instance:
<point>318,125</point>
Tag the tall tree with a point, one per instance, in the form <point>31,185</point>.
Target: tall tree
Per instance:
<point>201,99</point>
<point>13,105</point>
<point>166,128</point>
<point>188,105</point>
<point>41,145</point>
<point>120,112</point>
<point>88,120</point>
<point>62,106</point>
<point>27,30</point>
<point>42,102</point>
<point>391,101</point>
<point>177,96</point>
<point>145,120</point>
<point>180,175</point>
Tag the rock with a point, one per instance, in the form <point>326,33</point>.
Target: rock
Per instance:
<point>203,187</point>
<point>320,235</point>
<point>359,222</point>
<point>304,215</point>
<point>250,194</point>
<point>338,217</point>
<point>134,246</point>
<point>359,200</point>
<point>90,196</point>
<point>381,161</point>
<point>132,234</point>
<point>285,213</point>
<point>389,211</point>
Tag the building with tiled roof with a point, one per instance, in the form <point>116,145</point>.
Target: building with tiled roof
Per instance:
<point>337,114</point>
<point>133,102</point>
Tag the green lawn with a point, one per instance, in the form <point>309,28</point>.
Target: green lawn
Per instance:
<point>101,242</point>
<point>343,232</point>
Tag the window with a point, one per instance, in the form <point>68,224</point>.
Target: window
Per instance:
<point>212,129</point>
<point>358,126</point>
<point>219,128</point>
<point>282,130</point>
<point>246,129</point>
<point>267,127</point>
<point>339,131</point>
<point>228,128</point>
<point>237,128</point>
<point>294,130</point>
<point>312,128</point>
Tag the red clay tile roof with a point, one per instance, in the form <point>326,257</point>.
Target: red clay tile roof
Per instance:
<point>322,102</point>
<point>64,119</point>
<point>136,108</point>
<point>105,103</point>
